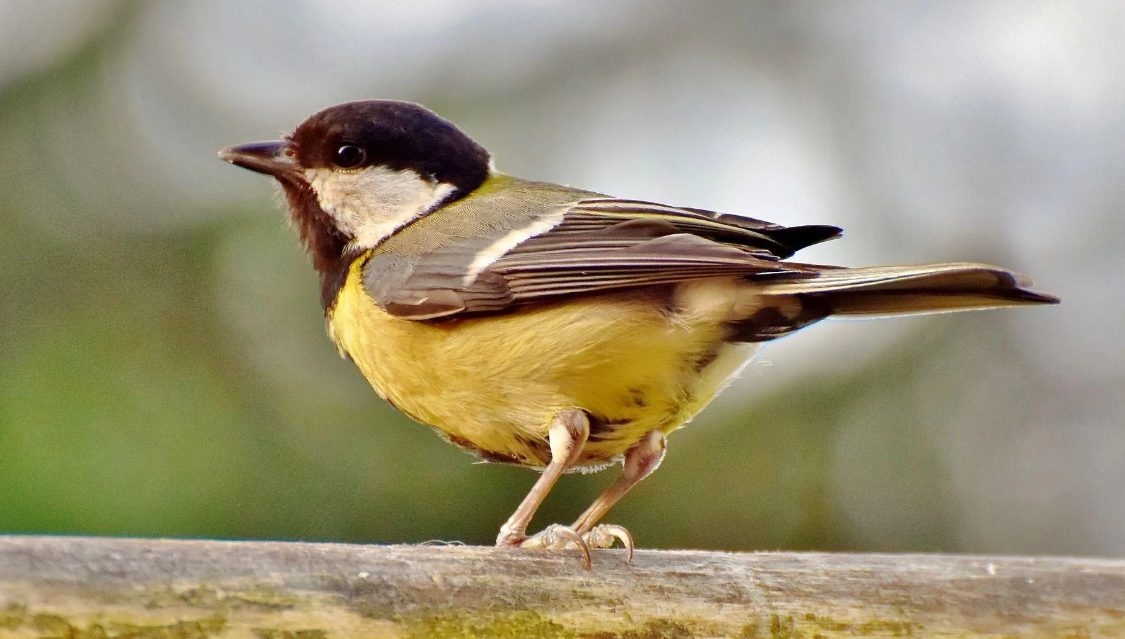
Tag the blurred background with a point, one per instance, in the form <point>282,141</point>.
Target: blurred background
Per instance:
<point>163,364</point>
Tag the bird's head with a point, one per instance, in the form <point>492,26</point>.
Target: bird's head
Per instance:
<point>356,172</point>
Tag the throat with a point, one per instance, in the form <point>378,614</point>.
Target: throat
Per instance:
<point>326,245</point>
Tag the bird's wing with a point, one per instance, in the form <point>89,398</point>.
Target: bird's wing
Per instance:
<point>569,248</point>
<point>601,216</point>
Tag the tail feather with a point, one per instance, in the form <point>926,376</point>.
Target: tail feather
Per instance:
<point>910,290</point>
<point>784,305</point>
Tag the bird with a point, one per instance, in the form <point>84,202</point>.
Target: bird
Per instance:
<point>548,326</point>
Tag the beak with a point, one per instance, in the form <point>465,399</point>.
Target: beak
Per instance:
<point>272,158</point>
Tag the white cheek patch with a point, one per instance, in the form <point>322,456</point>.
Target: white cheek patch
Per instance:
<point>371,204</point>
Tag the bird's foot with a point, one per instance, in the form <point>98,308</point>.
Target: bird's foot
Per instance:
<point>604,536</point>
<point>558,536</point>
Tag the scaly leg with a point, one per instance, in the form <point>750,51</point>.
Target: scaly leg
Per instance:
<point>640,461</point>
<point>567,436</point>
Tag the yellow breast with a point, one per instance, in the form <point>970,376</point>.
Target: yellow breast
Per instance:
<point>493,384</point>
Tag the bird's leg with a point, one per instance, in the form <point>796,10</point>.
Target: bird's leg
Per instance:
<point>567,436</point>
<point>640,461</point>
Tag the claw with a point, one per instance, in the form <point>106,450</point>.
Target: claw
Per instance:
<point>559,536</point>
<point>604,535</point>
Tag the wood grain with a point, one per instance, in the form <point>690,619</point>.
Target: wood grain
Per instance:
<point>97,588</point>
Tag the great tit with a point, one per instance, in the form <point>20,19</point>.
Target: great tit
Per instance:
<point>548,326</point>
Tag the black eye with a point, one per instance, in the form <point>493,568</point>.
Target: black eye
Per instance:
<point>348,156</point>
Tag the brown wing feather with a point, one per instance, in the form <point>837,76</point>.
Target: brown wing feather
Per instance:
<point>598,244</point>
<point>552,267</point>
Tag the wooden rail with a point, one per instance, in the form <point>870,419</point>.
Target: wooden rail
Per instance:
<point>96,588</point>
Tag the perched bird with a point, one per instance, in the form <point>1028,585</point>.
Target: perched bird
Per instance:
<point>547,326</point>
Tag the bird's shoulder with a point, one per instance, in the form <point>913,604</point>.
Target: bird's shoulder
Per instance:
<point>501,205</point>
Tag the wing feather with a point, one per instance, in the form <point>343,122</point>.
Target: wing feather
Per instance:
<point>596,244</point>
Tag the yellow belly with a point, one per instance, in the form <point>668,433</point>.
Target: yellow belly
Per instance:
<point>493,384</point>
